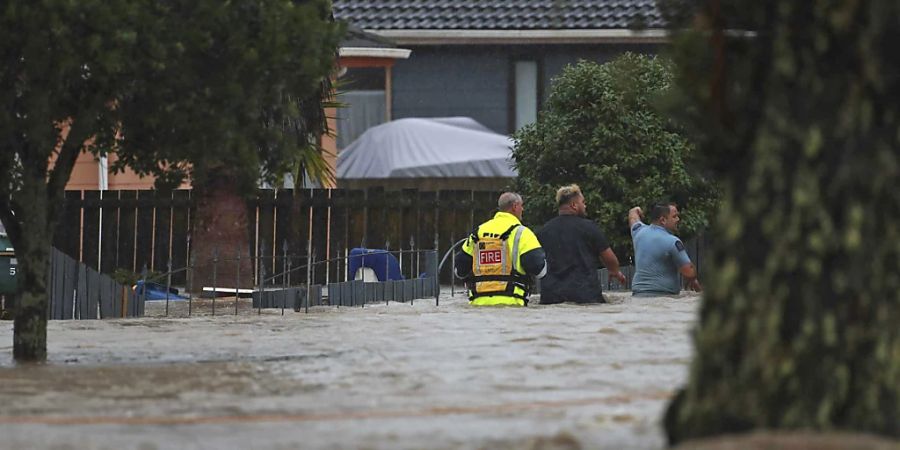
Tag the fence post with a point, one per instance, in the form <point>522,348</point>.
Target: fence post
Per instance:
<point>413,259</point>
<point>237,283</point>
<point>452,267</point>
<point>400,256</point>
<point>337,262</point>
<point>214,280</point>
<point>189,275</point>
<point>290,264</point>
<point>261,276</point>
<point>143,296</point>
<point>284,249</point>
<point>308,273</point>
<point>436,284</point>
<point>387,271</point>
<point>313,266</point>
<point>168,284</point>
<point>190,271</point>
<point>437,274</point>
<point>413,267</point>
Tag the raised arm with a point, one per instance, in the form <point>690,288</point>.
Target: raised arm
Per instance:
<point>634,216</point>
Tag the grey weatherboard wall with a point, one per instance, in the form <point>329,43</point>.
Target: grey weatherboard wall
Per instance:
<point>476,81</point>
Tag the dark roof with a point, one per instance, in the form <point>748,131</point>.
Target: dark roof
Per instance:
<point>356,37</point>
<point>498,14</point>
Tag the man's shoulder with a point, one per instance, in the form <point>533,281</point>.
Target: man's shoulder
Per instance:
<point>665,240</point>
<point>571,221</point>
<point>569,224</point>
<point>550,226</point>
<point>500,221</point>
<point>553,221</point>
<point>502,224</point>
<point>638,227</point>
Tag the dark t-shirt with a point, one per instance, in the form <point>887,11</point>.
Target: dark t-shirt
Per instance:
<point>573,245</point>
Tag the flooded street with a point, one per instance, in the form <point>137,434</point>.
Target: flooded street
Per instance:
<point>383,376</point>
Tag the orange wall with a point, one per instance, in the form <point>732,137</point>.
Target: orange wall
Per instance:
<point>86,176</point>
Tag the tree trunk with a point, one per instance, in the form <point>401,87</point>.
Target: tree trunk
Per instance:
<point>222,226</point>
<point>32,248</point>
<point>800,322</point>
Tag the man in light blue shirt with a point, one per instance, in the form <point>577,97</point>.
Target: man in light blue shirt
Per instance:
<point>659,256</point>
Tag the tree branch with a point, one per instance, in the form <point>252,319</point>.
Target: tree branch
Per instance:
<point>65,160</point>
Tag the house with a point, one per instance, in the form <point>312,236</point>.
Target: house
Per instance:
<point>491,60</point>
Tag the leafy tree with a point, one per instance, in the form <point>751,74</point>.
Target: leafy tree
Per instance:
<point>233,101</point>
<point>62,65</point>
<point>204,89</point>
<point>795,104</point>
<point>602,130</point>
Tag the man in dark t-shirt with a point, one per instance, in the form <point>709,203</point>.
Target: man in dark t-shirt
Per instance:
<point>574,246</point>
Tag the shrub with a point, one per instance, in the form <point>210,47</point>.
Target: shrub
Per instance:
<point>601,129</point>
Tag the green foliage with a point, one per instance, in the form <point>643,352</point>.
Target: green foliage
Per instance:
<point>799,116</point>
<point>228,90</point>
<point>63,66</point>
<point>602,130</point>
<point>198,88</point>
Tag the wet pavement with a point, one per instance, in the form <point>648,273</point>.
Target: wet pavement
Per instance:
<point>384,376</point>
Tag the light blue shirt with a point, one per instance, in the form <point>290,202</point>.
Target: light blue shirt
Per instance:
<point>657,257</point>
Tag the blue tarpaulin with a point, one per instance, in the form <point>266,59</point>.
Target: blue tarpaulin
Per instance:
<point>156,291</point>
<point>383,263</point>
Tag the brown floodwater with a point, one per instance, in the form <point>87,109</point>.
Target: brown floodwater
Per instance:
<point>383,376</point>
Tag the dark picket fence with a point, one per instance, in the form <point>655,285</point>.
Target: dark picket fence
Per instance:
<point>77,291</point>
<point>133,230</point>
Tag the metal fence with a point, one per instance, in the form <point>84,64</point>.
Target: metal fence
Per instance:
<point>294,287</point>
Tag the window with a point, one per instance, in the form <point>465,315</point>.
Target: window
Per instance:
<point>364,101</point>
<point>363,109</point>
<point>525,92</point>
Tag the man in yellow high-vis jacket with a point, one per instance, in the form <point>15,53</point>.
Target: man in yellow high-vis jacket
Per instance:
<point>500,257</point>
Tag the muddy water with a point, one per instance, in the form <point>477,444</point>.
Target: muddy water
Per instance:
<point>395,376</point>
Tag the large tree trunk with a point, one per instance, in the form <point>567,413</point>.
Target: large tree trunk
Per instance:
<point>222,226</point>
<point>32,246</point>
<point>800,322</point>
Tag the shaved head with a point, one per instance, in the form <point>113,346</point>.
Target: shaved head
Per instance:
<point>507,200</point>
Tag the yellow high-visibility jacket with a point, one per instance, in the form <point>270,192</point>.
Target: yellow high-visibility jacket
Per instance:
<point>529,257</point>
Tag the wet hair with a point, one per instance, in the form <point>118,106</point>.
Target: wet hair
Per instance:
<point>507,200</point>
<point>565,194</point>
<point>659,210</point>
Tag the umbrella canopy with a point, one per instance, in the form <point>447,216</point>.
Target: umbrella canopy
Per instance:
<point>452,147</point>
